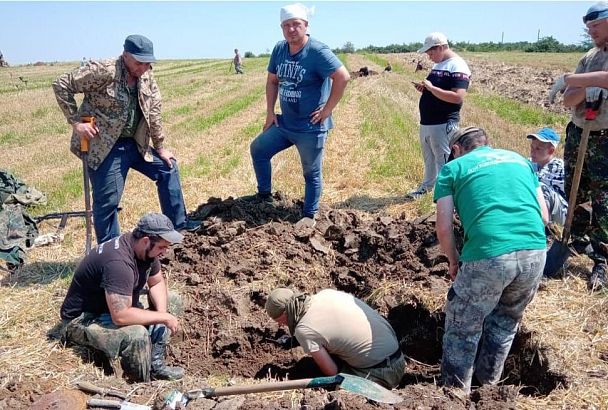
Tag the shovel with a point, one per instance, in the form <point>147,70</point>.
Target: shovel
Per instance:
<point>353,384</point>
<point>84,153</point>
<point>559,252</point>
<point>121,404</point>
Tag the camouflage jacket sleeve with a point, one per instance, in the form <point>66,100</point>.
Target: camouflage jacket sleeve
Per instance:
<point>156,125</point>
<point>89,78</point>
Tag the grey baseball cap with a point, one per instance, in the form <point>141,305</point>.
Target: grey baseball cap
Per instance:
<point>140,48</point>
<point>159,225</point>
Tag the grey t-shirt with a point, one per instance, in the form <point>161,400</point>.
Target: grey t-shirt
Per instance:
<point>347,328</point>
<point>596,59</point>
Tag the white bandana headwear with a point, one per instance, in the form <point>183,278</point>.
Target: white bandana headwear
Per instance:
<point>296,11</point>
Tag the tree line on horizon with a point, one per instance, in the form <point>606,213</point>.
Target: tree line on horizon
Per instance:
<point>544,45</point>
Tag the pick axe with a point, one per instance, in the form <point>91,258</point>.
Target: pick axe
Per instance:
<point>84,154</point>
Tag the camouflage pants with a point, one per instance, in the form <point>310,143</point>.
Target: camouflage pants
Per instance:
<point>485,305</point>
<point>388,375</point>
<point>128,348</point>
<point>593,187</point>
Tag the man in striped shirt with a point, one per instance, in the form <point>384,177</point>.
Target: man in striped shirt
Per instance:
<point>550,171</point>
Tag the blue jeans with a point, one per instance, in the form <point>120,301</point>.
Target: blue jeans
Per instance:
<point>485,305</point>
<point>108,183</point>
<point>310,147</point>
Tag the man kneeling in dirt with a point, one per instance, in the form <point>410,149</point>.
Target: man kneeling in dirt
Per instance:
<point>102,309</point>
<point>500,203</point>
<point>333,323</point>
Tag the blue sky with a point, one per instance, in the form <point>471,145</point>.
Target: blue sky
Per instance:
<point>68,31</point>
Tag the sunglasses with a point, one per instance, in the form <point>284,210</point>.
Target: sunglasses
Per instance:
<point>593,15</point>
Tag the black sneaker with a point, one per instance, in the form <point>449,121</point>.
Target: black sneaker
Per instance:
<point>258,198</point>
<point>416,194</point>
<point>191,225</point>
<point>599,278</point>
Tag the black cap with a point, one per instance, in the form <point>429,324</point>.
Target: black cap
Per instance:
<point>159,225</point>
<point>140,48</point>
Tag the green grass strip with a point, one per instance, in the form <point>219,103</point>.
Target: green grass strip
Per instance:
<point>516,112</point>
<point>222,162</point>
<point>231,108</point>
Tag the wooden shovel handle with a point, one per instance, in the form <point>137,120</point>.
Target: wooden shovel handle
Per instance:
<point>84,144</point>
<point>108,404</point>
<point>274,386</point>
<point>576,179</point>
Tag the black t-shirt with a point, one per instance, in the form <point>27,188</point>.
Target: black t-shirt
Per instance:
<point>112,267</point>
<point>447,75</point>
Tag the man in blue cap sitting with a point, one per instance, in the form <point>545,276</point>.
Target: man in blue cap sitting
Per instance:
<point>125,100</point>
<point>550,171</point>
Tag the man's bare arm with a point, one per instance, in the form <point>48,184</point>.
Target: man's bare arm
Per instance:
<point>325,362</point>
<point>123,314</point>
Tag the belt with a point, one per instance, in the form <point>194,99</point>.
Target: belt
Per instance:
<point>599,133</point>
<point>396,355</point>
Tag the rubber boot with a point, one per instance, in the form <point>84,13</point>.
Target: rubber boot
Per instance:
<point>160,370</point>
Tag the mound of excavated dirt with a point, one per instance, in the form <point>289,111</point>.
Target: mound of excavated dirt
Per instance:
<point>243,250</point>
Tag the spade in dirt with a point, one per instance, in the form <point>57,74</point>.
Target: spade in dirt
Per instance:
<point>353,384</point>
<point>559,251</point>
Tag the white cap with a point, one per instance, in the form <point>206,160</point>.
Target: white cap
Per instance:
<point>296,11</point>
<point>432,40</point>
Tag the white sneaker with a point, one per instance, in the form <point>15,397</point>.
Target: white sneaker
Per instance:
<point>305,222</point>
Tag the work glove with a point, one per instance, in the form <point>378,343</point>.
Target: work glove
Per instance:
<point>592,94</point>
<point>288,342</point>
<point>558,87</point>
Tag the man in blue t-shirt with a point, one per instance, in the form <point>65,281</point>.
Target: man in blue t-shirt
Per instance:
<point>501,206</point>
<point>443,92</point>
<point>309,81</point>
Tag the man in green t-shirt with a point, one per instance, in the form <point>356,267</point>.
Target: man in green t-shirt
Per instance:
<point>501,206</point>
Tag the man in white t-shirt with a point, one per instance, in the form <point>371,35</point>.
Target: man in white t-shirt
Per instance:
<point>334,325</point>
<point>442,94</point>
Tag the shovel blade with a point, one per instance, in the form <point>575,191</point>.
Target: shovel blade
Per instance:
<point>556,258</point>
<point>369,389</point>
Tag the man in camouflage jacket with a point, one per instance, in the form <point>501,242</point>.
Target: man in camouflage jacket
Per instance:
<point>125,100</point>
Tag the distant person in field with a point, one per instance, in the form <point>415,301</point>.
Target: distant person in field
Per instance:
<point>238,62</point>
<point>550,172</point>
<point>102,310</point>
<point>83,62</point>
<point>334,325</point>
<point>502,210</point>
<point>125,99</point>
<point>309,81</point>
<point>2,62</point>
<point>443,92</point>
<point>586,85</point>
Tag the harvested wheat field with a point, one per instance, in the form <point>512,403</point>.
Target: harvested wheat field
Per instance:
<point>368,241</point>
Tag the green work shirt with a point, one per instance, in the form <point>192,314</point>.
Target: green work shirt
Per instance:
<point>494,193</point>
<point>133,113</point>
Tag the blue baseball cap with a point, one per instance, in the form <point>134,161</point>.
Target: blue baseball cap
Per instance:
<point>546,135</point>
<point>598,11</point>
<point>140,48</point>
